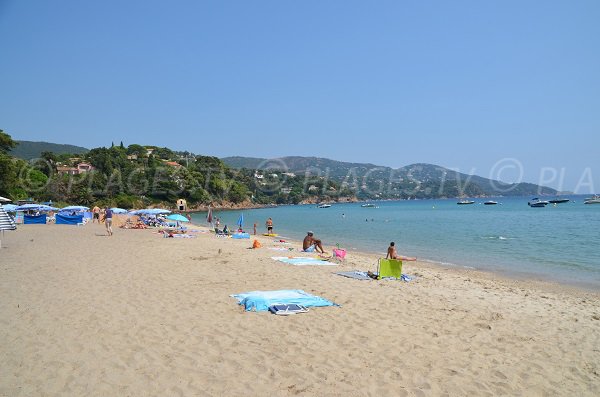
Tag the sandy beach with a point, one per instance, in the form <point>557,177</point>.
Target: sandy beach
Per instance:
<point>138,315</point>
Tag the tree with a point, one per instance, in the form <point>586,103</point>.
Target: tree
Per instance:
<point>6,142</point>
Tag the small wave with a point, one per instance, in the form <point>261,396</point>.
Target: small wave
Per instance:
<point>497,238</point>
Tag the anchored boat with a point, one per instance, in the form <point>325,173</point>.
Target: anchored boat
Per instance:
<point>537,203</point>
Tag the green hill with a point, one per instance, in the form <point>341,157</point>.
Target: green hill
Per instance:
<point>370,181</point>
<point>28,150</point>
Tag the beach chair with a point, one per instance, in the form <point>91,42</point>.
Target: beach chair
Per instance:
<point>389,268</point>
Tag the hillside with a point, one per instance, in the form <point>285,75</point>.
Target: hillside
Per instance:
<point>413,181</point>
<point>28,150</point>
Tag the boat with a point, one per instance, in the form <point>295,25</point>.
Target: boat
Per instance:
<point>490,202</point>
<point>537,203</point>
<point>465,202</point>
<point>369,205</point>
<point>592,200</point>
<point>558,201</point>
<point>323,205</point>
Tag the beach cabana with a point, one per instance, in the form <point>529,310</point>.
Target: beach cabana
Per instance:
<point>63,219</point>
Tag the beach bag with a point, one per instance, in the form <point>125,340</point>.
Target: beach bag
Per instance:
<point>256,244</point>
<point>339,253</point>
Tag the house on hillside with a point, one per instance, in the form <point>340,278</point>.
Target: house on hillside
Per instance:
<point>173,164</point>
<point>81,168</point>
<point>84,167</point>
<point>65,170</point>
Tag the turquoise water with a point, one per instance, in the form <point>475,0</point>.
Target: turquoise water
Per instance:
<point>560,243</point>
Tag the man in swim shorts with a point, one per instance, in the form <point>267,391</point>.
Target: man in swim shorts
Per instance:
<point>311,244</point>
<point>96,214</point>
<point>269,224</point>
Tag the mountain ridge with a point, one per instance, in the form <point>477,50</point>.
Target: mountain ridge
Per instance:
<point>28,150</point>
<point>419,180</point>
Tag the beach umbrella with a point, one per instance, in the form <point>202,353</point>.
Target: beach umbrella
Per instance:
<point>6,223</point>
<point>75,208</point>
<point>4,199</point>
<point>43,207</point>
<point>158,211</point>
<point>10,207</point>
<point>178,218</point>
<point>27,207</point>
<point>240,221</point>
<point>118,210</point>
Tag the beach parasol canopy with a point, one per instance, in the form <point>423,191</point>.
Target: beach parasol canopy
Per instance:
<point>43,207</point>
<point>10,207</point>
<point>75,208</point>
<point>178,218</point>
<point>4,199</point>
<point>27,207</point>
<point>150,211</point>
<point>240,221</point>
<point>118,210</point>
<point>6,222</point>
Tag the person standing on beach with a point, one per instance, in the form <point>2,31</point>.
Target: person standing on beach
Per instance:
<point>255,228</point>
<point>108,220</point>
<point>269,224</point>
<point>96,214</point>
<point>393,254</point>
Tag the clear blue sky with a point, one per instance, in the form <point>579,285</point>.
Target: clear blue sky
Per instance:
<point>462,84</point>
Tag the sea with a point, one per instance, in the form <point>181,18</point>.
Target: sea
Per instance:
<point>555,243</point>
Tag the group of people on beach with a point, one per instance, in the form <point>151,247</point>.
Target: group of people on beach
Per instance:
<point>309,244</point>
<point>103,215</point>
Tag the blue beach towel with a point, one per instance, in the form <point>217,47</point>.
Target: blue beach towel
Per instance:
<point>302,261</point>
<point>261,300</point>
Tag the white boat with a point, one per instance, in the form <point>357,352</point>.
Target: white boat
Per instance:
<point>465,202</point>
<point>490,202</point>
<point>369,205</point>
<point>323,205</point>
<point>592,200</point>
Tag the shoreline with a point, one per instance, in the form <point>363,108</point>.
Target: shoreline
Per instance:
<point>464,270</point>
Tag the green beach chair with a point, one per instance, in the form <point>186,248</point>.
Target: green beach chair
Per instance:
<point>389,268</point>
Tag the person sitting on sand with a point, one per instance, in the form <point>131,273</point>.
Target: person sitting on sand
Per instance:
<point>393,254</point>
<point>225,230</point>
<point>311,244</point>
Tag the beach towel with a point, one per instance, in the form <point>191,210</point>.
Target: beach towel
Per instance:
<point>358,275</point>
<point>355,274</point>
<point>280,249</point>
<point>261,300</point>
<point>300,261</point>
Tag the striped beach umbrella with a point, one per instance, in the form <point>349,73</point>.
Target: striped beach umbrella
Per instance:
<point>6,223</point>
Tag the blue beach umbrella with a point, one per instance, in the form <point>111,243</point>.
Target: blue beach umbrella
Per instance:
<point>27,207</point>
<point>75,208</point>
<point>240,221</point>
<point>177,217</point>
<point>47,208</point>
<point>10,207</point>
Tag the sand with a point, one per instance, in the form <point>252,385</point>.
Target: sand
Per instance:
<point>138,315</point>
